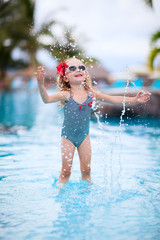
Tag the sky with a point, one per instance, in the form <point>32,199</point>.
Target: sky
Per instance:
<point>115,32</point>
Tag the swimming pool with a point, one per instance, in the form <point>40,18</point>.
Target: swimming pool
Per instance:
<point>123,202</point>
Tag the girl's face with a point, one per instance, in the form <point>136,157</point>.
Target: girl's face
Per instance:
<point>79,75</point>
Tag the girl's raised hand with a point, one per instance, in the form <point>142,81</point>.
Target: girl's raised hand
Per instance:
<point>142,97</point>
<point>40,74</point>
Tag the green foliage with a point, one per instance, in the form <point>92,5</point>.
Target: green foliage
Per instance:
<point>15,20</point>
<point>155,37</point>
<point>149,3</point>
<point>155,50</point>
<point>152,56</point>
<point>17,30</point>
<point>66,47</point>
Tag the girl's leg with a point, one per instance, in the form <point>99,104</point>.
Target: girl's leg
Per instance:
<point>84,152</point>
<point>67,151</point>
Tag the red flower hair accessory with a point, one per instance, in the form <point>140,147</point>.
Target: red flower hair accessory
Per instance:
<point>61,68</point>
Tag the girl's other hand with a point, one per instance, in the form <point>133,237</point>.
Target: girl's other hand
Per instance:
<point>40,74</point>
<point>142,97</point>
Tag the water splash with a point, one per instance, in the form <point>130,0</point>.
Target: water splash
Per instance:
<point>98,119</point>
<point>116,152</point>
<point>124,104</point>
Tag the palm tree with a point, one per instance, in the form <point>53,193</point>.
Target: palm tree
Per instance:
<point>155,51</point>
<point>17,31</point>
<point>149,3</point>
<point>155,38</point>
<point>8,42</point>
<point>67,47</point>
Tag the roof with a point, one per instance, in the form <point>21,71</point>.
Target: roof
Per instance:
<point>98,72</point>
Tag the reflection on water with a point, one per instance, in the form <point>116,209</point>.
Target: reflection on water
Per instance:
<point>122,203</point>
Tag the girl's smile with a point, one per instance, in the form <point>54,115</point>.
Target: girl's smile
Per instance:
<point>78,75</point>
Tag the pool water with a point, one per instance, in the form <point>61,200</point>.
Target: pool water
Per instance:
<point>123,201</point>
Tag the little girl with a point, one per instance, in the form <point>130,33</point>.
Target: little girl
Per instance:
<point>76,95</point>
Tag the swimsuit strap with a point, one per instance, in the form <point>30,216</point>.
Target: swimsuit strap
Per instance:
<point>86,91</point>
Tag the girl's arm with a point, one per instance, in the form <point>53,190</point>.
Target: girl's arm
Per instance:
<point>62,95</point>
<point>139,98</point>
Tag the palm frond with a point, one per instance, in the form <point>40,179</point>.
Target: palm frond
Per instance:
<point>151,58</point>
<point>17,30</point>
<point>29,7</point>
<point>149,3</point>
<point>67,48</point>
<point>155,37</point>
<point>45,28</point>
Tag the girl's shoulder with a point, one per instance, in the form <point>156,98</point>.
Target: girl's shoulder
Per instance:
<point>65,94</point>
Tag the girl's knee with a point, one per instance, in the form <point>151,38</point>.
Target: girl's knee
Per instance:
<point>86,170</point>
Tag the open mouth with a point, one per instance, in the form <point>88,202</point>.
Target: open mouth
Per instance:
<point>78,75</point>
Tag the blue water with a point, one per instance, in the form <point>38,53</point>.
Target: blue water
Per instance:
<point>123,201</point>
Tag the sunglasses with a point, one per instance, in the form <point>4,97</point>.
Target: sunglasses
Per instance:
<point>73,68</point>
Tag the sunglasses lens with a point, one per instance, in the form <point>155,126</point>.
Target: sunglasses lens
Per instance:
<point>82,68</point>
<point>72,68</point>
